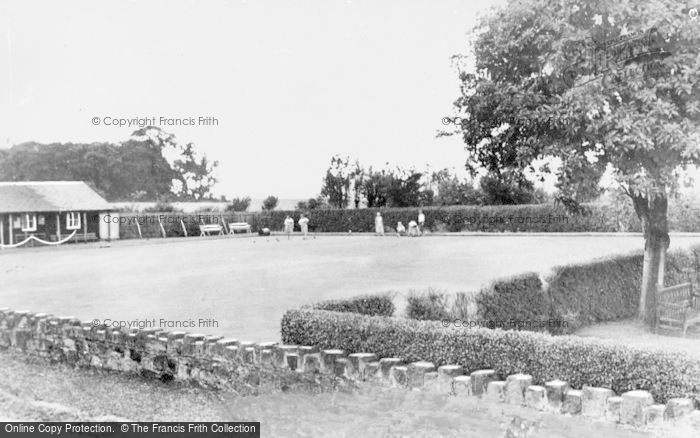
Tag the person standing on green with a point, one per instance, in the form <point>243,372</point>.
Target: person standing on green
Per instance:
<point>304,225</point>
<point>421,222</point>
<point>288,226</point>
<point>379,224</point>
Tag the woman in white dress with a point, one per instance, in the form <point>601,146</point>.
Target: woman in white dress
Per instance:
<point>421,222</point>
<point>304,225</point>
<point>379,224</point>
<point>288,226</point>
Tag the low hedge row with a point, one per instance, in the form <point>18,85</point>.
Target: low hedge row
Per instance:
<point>613,217</point>
<point>489,218</point>
<point>578,361</point>
<point>374,305</point>
<point>533,218</point>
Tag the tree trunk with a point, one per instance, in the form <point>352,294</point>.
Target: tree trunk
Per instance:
<point>652,211</point>
<point>662,268</point>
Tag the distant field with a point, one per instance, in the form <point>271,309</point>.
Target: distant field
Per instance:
<point>246,284</point>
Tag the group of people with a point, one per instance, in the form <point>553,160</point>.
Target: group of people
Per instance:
<point>289,226</point>
<point>415,228</point>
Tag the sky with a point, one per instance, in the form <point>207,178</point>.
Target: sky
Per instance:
<point>290,84</point>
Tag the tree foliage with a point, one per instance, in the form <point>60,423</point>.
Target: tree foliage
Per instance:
<point>192,174</point>
<point>374,187</point>
<point>270,203</point>
<point>338,181</point>
<point>239,204</point>
<point>620,79</point>
<point>407,187</point>
<point>450,190</point>
<point>509,188</point>
<point>312,204</point>
<point>136,169</point>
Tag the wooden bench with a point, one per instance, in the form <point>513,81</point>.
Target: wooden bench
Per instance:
<point>84,237</point>
<point>678,307</point>
<point>205,229</point>
<point>239,226</point>
<point>79,237</point>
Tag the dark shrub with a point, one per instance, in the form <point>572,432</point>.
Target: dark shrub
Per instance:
<point>430,305</point>
<point>464,306</point>
<point>376,304</point>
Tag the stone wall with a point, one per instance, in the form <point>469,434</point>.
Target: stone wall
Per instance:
<point>215,361</point>
<point>207,360</point>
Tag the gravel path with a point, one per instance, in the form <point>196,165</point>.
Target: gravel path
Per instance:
<point>633,332</point>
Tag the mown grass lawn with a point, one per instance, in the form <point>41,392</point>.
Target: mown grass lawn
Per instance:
<point>246,284</point>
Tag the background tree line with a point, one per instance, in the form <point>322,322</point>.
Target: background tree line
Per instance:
<point>348,182</point>
<point>150,165</point>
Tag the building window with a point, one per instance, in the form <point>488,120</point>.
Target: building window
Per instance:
<point>72,221</point>
<point>28,222</point>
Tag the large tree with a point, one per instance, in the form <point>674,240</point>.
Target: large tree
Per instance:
<point>599,85</point>
<point>405,189</point>
<point>239,204</point>
<point>451,190</point>
<point>374,187</point>
<point>270,203</point>
<point>130,171</point>
<point>192,174</point>
<point>338,182</point>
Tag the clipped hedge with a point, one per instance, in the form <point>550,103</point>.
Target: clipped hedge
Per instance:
<point>613,217</point>
<point>579,361</point>
<point>522,292</point>
<point>682,216</point>
<point>373,305</point>
<point>608,289</point>
<point>534,218</point>
<point>601,290</point>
